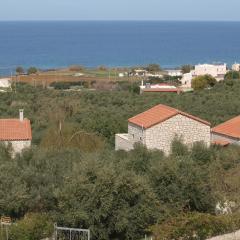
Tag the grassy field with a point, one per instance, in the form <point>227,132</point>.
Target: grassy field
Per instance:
<point>66,75</point>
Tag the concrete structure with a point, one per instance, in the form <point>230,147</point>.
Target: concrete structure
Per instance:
<point>17,132</point>
<point>154,75</point>
<point>187,80</point>
<point>157,127</point>
<point>229,236</point>
<point>5,82</point>
<point>160,87</point>
<point>236,67</point>
<point>174,72</point>
<point>217,71</point>
<point>227,132</point>
<point>139,72</point>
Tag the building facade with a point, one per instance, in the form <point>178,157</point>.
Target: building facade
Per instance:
<point>216,71</point>
<point>236,67</point>
<point>174,72</point>
<point>157,128</point>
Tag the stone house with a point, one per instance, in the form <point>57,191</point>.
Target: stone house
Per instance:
<point>157,127</point>
<point>17,132</point>
<point>227,133</point>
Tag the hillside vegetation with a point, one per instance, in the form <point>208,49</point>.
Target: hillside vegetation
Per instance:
<point>73,176</point>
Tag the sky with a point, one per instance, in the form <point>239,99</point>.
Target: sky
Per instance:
<point>199,10</point>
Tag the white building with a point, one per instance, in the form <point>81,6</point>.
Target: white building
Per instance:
<point>155,75</point>
<point>187,80</point>
<point>139,72</point>
<point>17,132</point>
<point>236,67</point>
<point>5,82</point>
<point>174,72</point>
<point>218,71</point>
<point>160,87</point>
<point>157,127</point>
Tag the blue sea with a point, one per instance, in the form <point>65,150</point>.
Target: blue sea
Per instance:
<point>117,43</point>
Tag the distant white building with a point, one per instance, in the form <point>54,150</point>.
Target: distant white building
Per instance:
<point>236,67</point>
<point>218,71</point>
<point>139,72</point>
<point>160,87</point>
<point>174,72</point>
<point>5,82</point>
<point>187,80</point>
<point>156,75</point>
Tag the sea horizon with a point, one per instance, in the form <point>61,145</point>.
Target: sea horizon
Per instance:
<point>117,43</point>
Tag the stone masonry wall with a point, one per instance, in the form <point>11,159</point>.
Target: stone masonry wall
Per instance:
<point>18,146</point>
<point>136,133</point>
<point>161,135</point>
<point>122,142</point>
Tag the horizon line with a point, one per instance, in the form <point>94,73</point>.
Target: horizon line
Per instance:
<point>112,20</point>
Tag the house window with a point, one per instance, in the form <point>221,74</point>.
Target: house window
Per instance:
<point>133,135</point>
<point>140,138</point>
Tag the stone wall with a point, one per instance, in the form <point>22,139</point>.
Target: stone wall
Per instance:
<point>161,135</point>
<point>230,236</point>
<point>136,133</point>
<point>122,142</point>
<point>220,137</point>
<point>18,146</point>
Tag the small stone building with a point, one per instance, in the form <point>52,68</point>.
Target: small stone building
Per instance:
<point>157,127</point>
<point>227,132</point>
<point>17,132</point>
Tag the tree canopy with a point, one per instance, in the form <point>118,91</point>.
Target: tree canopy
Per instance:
<point>202,82</point>
<point>73,174</point>
<point>232,75</point>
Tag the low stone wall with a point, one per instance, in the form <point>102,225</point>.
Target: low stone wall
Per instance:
<point>122,142</point>
<point>230,236</point>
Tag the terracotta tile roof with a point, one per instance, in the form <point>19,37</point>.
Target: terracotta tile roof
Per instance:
<point>221,143</point>
<point>158,114</point>
<point>229,128</point>
<point>14,129</point>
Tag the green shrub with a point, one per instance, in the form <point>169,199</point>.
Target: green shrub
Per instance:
<point>32,227</point>
<point>32,70</point>
<point>196,226</point>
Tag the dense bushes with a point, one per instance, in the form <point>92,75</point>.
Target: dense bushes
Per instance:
<point>32,227</point>
<point>196,226</point>
<point>202,82</point>
<point>115,194</point>
<point>73,173</point>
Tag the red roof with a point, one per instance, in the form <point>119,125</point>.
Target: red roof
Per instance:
<point>14,129</point>
<point>229,128</point>
<point>158,114</point>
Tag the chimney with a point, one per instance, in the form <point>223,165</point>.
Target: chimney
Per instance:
<point>21,115</point>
